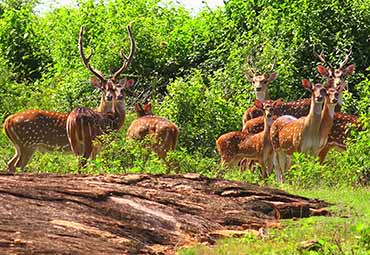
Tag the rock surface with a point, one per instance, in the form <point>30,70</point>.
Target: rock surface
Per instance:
<point>134,214</point>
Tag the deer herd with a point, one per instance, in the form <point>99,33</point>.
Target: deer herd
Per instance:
<point>271,131</point>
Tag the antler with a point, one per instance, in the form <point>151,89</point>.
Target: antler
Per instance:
<point>86,60</point>
<point>321,57</point>
<point>273,64</point>
<point>346,58</point>
<point>250,67</point>
<point>128,59</point>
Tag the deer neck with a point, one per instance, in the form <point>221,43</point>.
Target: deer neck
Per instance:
<point>104,106</point>
<point>266,130</point>
<point>313,119</point>
<point>262,95</point>
<point>340,99</point>
<point>119,113</point>
<point>327,120</point>
<point>336,82</point>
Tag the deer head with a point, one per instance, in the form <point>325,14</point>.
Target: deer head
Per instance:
<point>339,74</point>
<point>260,81</point>
<point>333,93</point>
<point>143,111</point>
<point>111,89</point>
<point>267,107</point>
<point>318,91</point>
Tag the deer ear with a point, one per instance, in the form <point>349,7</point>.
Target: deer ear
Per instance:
<point>307,84</point>
<point>349,69</point>
<point>277,102</point>
<point>96,82</point>
<point>341,86</point>
<point>273,76</point>
<point>148,107</point>
<point>258,104</point>
<point>323,71</point>
<point>249,75</point>
<point>138,107</point>
<point>126,83</point>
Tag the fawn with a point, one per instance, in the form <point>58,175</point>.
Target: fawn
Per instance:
<point>164,132</point>
<point>237,145</point>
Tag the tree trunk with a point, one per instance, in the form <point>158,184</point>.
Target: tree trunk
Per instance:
<point>133,214</point>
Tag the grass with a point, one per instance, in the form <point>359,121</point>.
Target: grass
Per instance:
<point>346,232</point>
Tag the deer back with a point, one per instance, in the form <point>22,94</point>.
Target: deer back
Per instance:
<point>163,131</point>
<point>341,125</point>
<point>37,129</point>
<point>228,147</point>
<point>253,120</point>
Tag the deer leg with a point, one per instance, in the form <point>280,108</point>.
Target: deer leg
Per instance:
<point>243,164</point>
<point>323,153</point>
<point>25,156</point>
<point>88,149</point>
<point>229,163</point>
<point>288,162</point>
<point>168,166</point>
<point>95,150</point>
<point>247,164</point>
<point>281,164</point>
<point>263,171</point>
<point>11,164</point>
<point>223,163</point>
<point>269,166</point>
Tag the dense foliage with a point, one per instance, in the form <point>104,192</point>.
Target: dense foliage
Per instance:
<point>191,66</point>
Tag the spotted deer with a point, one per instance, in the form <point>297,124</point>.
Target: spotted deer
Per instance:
<point>253,121</point>
<point>289,134</point>
<point>260,83</point>
<point>45,131</point>
<point>339,133</point>
<point>342,121</point>
<point>236,146</point>
<point>337,75</point>
<point>328,112</point>
<point>85,125</point>
<point>300,108</point>
<point>164,132</point>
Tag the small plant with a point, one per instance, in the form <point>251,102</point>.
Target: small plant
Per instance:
<point>362,232</point>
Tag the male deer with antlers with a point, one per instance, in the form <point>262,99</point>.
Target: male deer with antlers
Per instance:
<point>164,132</point>
<point>337,75</point>
<point>236,146</point>
<point>289,134</point>
<point>84,125</point>
<point>39,130</point>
